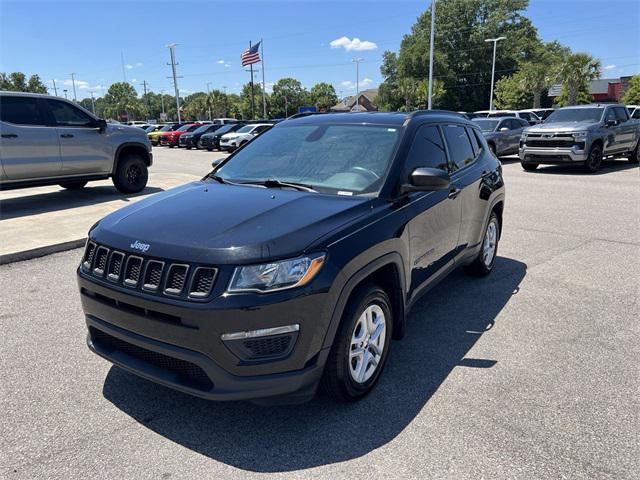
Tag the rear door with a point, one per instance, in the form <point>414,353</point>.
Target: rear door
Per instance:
<point>83,149</point>
<point>29,147</point>
<point>433,217</point>
<point>626,136</point>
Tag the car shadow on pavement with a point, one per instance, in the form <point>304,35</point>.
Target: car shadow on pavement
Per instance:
<point>442,328</point>
<point>608,166</point>
<point>15,207</point>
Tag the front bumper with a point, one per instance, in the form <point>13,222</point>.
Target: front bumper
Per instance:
<point>178,344</point>
<point>551,155</point>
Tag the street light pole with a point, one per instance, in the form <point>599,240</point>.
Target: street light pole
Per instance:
<point>357,62</point>
<point>65,93</point>
<point>73,82</point>
<point>93,104</point>
<point>162,105</point>
<point>172,48</point>
<point>55,89</point>
<point>431,41</point>
<point>209,99</point>
<point>493,68</point>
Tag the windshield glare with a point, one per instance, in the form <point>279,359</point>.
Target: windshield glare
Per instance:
<point>331,158</point>
<point>202,129</point>
<point>486,125</point>
<point>577,115</point>
<point>246,129</point>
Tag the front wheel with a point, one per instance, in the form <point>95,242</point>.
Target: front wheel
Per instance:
<point>483,264</point>
<point>592,165</point>
<point>529,167</point>
<point>635,155</point>
<point>73,185</point>
<point>131,174</point>
<point>361,346</point>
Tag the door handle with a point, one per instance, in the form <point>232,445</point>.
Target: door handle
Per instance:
<point>454,192</point>
<point>9,135</point>
<point>67,135</point>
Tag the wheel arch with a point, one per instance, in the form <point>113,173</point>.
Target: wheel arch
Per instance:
<point>387,272</point>
<point>131,147</point>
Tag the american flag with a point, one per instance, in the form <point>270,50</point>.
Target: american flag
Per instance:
<point>251,55</point>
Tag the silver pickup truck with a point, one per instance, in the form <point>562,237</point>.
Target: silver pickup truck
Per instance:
<point>581,135</point>
<point>48,140</point>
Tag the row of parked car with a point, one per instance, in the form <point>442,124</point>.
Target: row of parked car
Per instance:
<point>580,135</point>
<point>225,134</point>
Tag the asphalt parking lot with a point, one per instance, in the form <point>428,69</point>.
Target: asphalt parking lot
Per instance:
<point>529,373</point>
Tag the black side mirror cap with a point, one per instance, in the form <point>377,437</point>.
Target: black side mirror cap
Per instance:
<point>101,125</point>
<point>611,123</point>
<point>426,179</point>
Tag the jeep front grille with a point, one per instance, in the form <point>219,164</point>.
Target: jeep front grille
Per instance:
<point>152,275</point>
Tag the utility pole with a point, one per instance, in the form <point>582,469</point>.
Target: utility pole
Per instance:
<point>357,62</point>
<point>65,93</point>
<point>124,72</point>
<point>172,48</point>
<point>73,82</point>
<point>144,85</point>
<point>55,89</point>
<point>93,103</point>
<point>209,99</point>
<point>431,42</point>
<point>264,92</point>
<point>162,104</point>
<point>493,68</point>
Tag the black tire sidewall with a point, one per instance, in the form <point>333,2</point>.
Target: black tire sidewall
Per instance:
<point>120,178</point>
<point>588,164</point>
<point>364,297</point>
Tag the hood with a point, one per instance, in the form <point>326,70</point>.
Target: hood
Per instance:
<point>128,130</point>
<point>226,224</point>
<point>561,127</point>
<point>231,136</point>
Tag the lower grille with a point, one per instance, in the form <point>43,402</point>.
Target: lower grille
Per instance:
<point>189,374</point>
<point>268,346</point>
<point>550,143</point>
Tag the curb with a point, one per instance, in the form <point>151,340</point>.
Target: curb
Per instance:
<point>41,251</point>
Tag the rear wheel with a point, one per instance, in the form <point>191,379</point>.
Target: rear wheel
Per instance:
<point>635,155</point>
<point>592,165</point>
<point>73,184</point>
<point>131,174</point>
<point>529,167</point>
<point>483,264</point>
<point>361,346</point>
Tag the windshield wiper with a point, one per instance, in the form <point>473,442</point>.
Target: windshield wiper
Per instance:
<point>217,178</point>
<point>273,183</point>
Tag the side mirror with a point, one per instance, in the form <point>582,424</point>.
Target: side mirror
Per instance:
<point>216,162</point>
<point>101,125</point>
<point>504,129</point>
<point>611,123</point>
<point>428,179</point>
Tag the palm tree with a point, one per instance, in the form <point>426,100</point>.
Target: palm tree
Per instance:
<point>577,71</point>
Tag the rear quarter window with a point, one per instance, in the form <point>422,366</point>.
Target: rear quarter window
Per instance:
<point>459,146</point>
<point>21,111</point>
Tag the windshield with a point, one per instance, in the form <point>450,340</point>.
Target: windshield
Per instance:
<point>150,128</point>
<point>202,129</point>
<point>246,129</point>
<point>577,115</point>
<point>224,129</point>
<point>183,128</point>
<point>486,126</point>
<point>501,114</point>
<point>334,158</point>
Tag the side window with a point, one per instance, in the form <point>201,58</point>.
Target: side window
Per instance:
<point>621,114</point>
<point>67,115</point>
<point>459,146</point>
<point>523,123</point>
<point>427,150</point>
<point>21,111</point>
<point>636,113</point>
<point>514,124</point>
<point>610,115</point>
<point>525,115</point>
<point>474,141</point>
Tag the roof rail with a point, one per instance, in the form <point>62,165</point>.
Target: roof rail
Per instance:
<point>304,114</point>
<point>427,112</point>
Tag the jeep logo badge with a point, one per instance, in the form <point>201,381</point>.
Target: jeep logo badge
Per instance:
<point>143,247</point>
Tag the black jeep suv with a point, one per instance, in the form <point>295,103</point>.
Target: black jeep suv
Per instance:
<point>293,263</point>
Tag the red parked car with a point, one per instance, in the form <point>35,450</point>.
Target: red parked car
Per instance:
<point>170,139</point>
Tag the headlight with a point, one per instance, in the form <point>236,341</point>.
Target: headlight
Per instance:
<point>273,276</point>
<point>579,135</point>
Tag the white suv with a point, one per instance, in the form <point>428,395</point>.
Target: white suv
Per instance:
<point>233,140</point>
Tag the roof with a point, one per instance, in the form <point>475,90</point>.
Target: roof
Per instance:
<point>347,102</point>
<point>600,85</point>
<point>380,118</point>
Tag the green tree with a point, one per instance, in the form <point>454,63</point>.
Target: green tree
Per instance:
<point>245,102</point>
<point>288,94</point>
<point>17,82</point>
<point>195,106</point>
<point>323,96</point>
<point>632,94</point>
<point>121,101</point>
<point>582,96</point>
<point>463,60</point>
<point>577,70</point>
<point>510,94</point>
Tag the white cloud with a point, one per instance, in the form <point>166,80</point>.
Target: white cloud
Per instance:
<point>227,64</point>
<point>139,64</point>
<point>82,85</point>
<point>134,80</point>
<point>349,85</point>
<point>268,86</point>
<point>609,67</point>
<point>221,62</point>
<point>355,44</point>
<point>128,66</point>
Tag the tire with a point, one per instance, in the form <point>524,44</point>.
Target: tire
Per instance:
<point>131,174</point>
<point>483,263</point>
<point>592,165</point>
<point>242,144</point>
<point>73,184</point>
<point>209,149</point>
<point>635,155</point>
<point>339,380</point>
<point>529,167</point>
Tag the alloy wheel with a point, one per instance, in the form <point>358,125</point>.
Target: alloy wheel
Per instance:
<point>489,244</point>
<point>367,343</point>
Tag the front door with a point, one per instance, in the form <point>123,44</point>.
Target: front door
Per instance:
<point>83,148</point>
<point>433,217</point>
<point>29,149</point>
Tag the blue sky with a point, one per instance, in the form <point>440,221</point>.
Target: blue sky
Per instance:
<point>56,38</point>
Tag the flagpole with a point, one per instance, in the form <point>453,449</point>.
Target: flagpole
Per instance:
<point>253,102</point>
<point>264,93</point>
